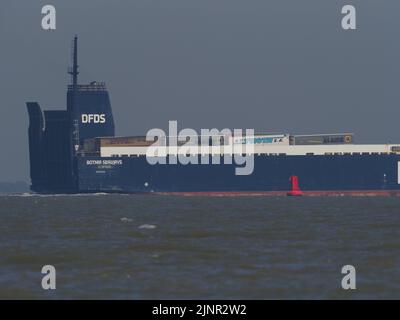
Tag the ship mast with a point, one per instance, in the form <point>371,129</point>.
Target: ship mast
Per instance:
<point>74,70</point>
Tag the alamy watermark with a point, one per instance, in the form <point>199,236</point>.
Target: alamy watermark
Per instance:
<point>349,280</point>
<point>211,146</point>
<point>49,280</point>
<point>49,17</point>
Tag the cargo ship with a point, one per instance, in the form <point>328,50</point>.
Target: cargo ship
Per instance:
<point>76,151</point>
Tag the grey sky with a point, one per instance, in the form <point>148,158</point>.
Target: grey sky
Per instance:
<point>276,66</point>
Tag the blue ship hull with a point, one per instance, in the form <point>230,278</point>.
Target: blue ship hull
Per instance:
<point>271,173</point>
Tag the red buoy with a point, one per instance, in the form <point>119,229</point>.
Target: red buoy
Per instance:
<point>295,191</point>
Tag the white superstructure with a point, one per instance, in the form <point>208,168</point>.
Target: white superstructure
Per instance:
<point>268,150</point>
<point>278,144</point>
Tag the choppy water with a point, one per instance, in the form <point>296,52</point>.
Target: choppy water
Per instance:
<point>163,247</point>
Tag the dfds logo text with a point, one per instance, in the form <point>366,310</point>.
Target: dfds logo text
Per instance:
<point>93,118</point>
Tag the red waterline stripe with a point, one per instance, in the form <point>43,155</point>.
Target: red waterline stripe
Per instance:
<point>335,193</point>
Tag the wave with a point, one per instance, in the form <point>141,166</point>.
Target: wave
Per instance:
<point>147,226</point>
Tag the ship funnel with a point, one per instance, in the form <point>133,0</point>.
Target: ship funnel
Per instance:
<point>88,105</point>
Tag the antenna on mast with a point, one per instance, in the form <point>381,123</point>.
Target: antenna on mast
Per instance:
<point>73,71</point>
